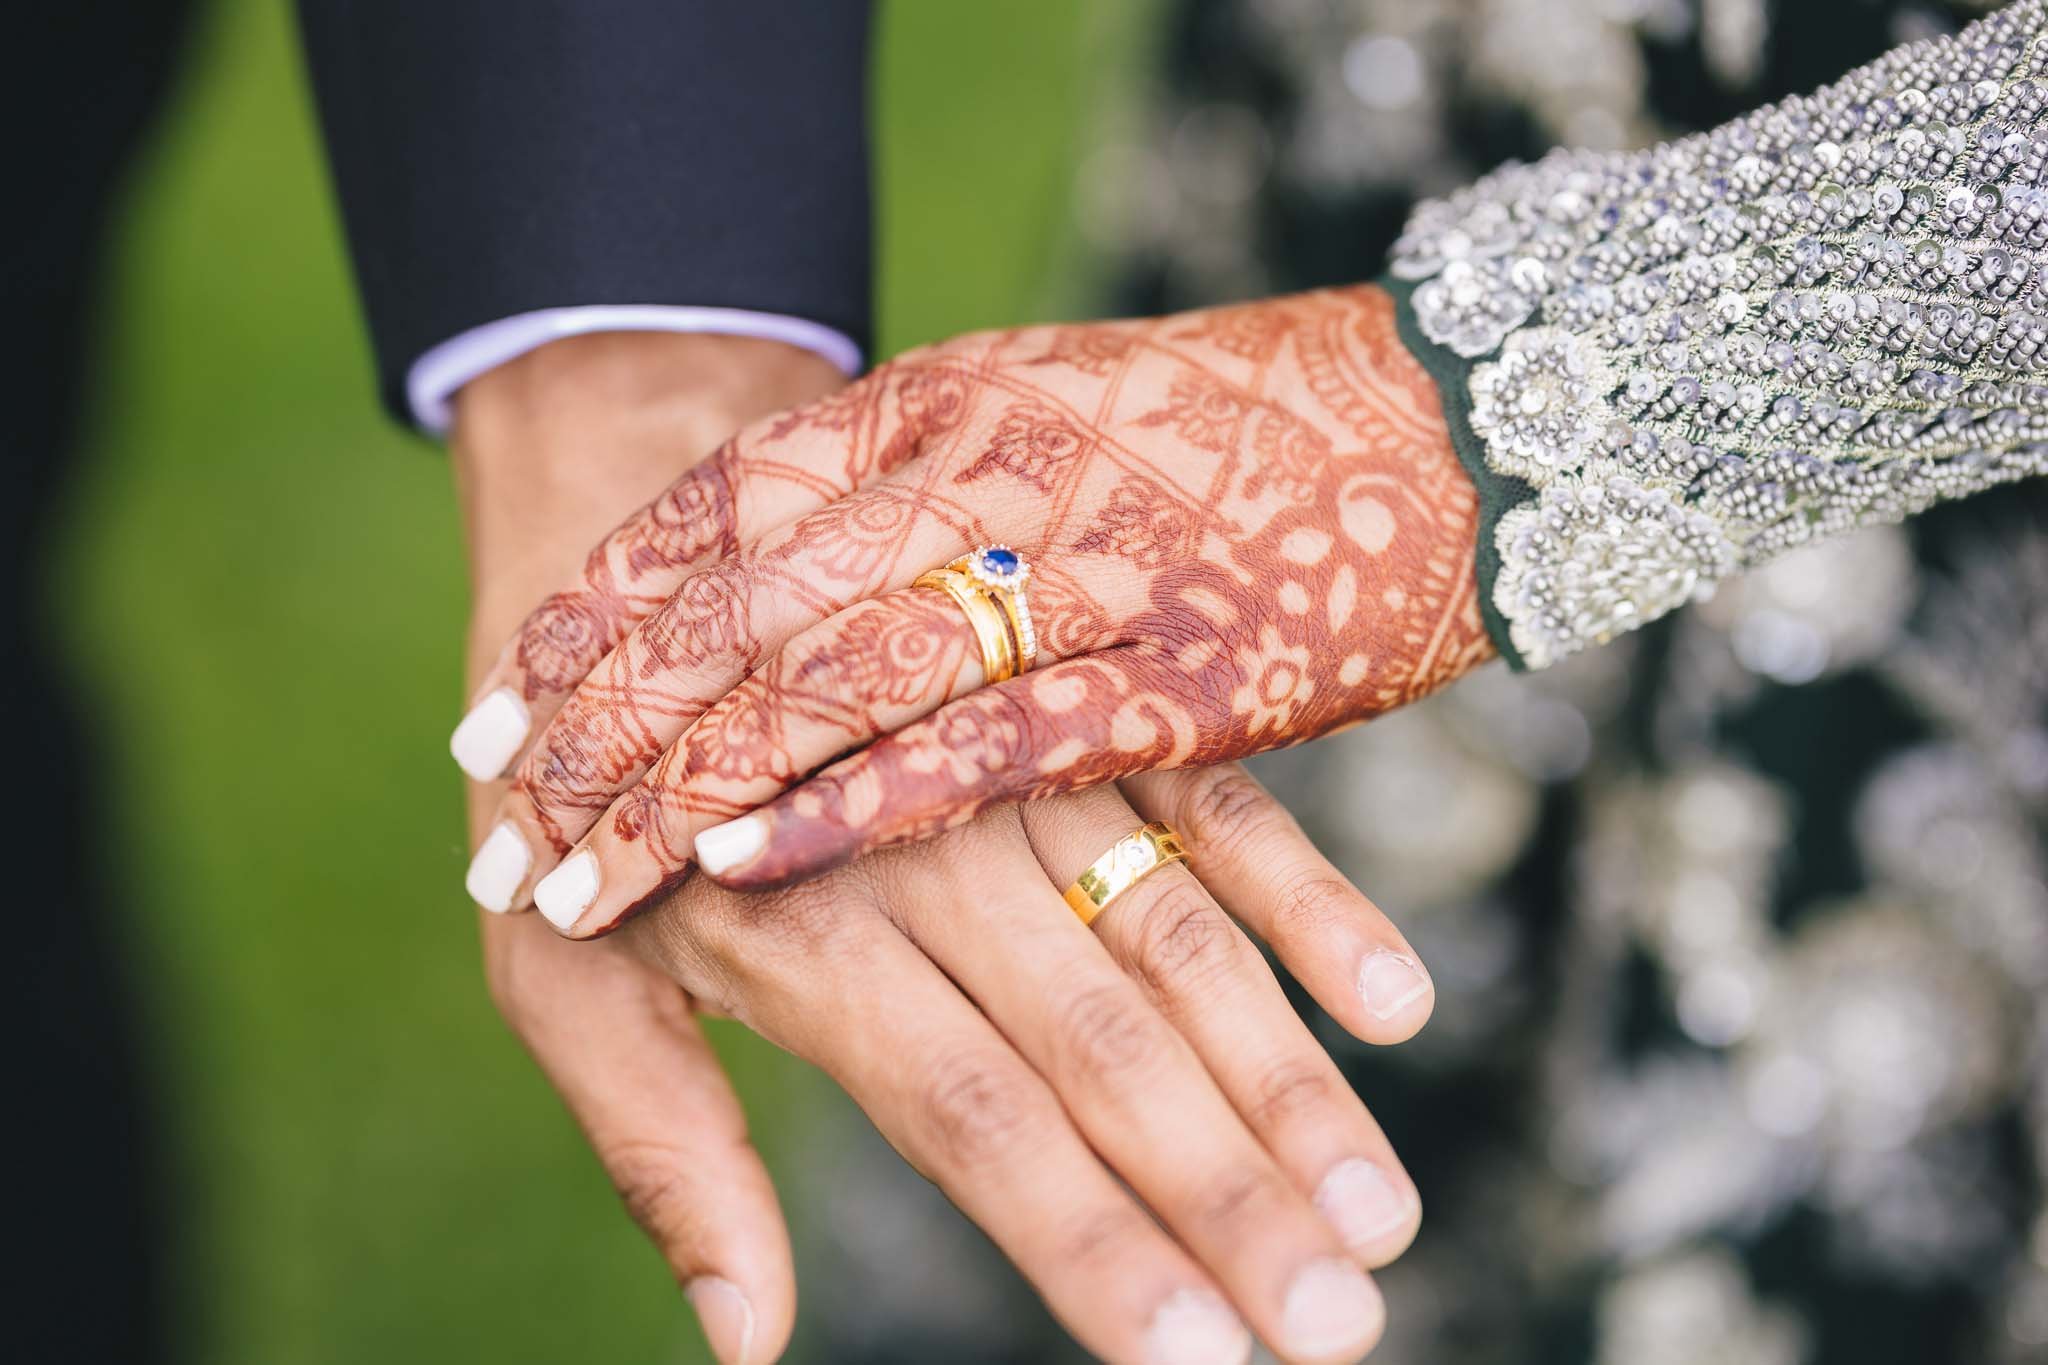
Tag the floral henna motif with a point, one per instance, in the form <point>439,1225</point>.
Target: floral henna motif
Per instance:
<point>1248,529</point>
<point>1142,525</point>
<point>1281,544</point>
<point>562,640</point>
<point>1092,350</point>
<point>1204,413</point>
<point>1031,444</point>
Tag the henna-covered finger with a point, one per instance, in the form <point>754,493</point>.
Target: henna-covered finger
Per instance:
<point>1259,864</point>
<point>1286,533</point>
<point>1173,936</point>
<point>631,572</point>
<point>768,474</point>
<point>873,668</point>
<point>715,629</point>
<point>1075,724</point>
<point>878,666</point>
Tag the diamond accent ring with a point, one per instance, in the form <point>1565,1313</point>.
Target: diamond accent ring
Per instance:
<point>1003,573</point>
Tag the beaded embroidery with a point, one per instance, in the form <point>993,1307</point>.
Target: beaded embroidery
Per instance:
<point>1825,314</point>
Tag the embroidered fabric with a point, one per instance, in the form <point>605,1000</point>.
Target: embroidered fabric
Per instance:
<point>1826,314</point>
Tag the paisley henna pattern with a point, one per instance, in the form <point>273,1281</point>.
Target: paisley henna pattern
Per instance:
<point>1248,529</point>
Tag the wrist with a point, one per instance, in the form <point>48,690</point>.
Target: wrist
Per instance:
<point>552,449</point>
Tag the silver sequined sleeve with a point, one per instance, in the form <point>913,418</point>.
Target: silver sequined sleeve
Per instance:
<point>1680,362</point>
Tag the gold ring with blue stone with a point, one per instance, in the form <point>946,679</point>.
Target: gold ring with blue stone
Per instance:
<point>1002,573</point>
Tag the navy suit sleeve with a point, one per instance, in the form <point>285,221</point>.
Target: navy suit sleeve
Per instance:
<point>493,157</point>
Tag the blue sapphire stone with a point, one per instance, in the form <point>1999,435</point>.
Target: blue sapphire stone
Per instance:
<point>999,561</point>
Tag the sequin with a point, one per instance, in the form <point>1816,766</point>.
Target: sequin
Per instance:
<point>1823,315</point>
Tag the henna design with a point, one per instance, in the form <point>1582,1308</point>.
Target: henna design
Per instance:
<point>1031,444</point>
<point>1249,529</point>
<point>1254,334</point>
<point>1092,350</point>
<point>1203,412</point>
<point>1142,525</point>
<point>1328,578</point>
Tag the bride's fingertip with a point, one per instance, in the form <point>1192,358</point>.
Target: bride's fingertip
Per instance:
<point>565,893</point>
<point>499,868</point>
<point>491,735</point>
<point>721,848</point>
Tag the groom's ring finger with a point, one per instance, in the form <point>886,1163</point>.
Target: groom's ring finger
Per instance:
<point>1202,972</point>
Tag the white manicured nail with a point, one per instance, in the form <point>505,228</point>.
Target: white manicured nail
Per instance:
<point>1389,982</point>
<point>1333,1312</point>
<point>490,735</point>
<point>727,1317</point>
<point>1195,1327</point>
<point>498,868</point>
<point>732,843</point>
<point>1361,1203</point>
<point>564,894</point>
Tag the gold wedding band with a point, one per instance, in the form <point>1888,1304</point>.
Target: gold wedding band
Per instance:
<point>988,587</point>
<point>984,615</point>
<point>1002,573</point>
<point>1129,861</point>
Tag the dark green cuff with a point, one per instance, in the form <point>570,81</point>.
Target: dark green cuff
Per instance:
<point>1497,492</point>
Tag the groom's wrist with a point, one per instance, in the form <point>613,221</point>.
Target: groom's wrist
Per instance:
<point>553,449</point>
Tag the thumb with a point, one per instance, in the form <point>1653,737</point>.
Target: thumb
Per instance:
<point>629,1057</point>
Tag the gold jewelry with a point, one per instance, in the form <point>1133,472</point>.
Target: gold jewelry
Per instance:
<point>1129,861</point>
<point>1002,573</point>
<point>984,615</point>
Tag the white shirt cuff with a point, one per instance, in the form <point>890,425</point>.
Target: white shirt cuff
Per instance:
<point>434,379</point>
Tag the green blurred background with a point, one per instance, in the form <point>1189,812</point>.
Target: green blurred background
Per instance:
<point>262,579</point>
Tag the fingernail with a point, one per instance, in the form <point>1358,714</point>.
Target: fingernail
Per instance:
<point>497,869</point>
<point>1194,1327</point>
<point>727,1318</point>
<point>564,894</point>
<point>1389,982</point>
<point>1361,1203</point>
<point>1333,1312</point>
<point>490,735</point>
<point>730,844</point>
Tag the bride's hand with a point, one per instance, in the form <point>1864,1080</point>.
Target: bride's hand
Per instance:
<point>1196,1032</point>
<point>1245,527</point>
<point>1131,1110</point>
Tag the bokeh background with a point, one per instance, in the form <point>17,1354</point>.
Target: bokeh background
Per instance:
<point>1740,927</point>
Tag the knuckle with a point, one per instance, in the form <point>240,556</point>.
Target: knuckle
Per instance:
<point>573,768</point>
<point>1293,1089</point>
<point>649,1179</point>
<point>1238,1196</point>
<point>979,1109</point>
<point>1104,1237</point>
<point>1313,904</point>
<point>797,920</point>
<point>1182,940</point>
<point>1108,1033</point>
<point>565,637</point>
<point>1227,810</point>
<point>709,617</point>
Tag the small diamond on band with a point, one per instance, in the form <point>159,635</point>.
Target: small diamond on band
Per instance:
<point>1002,569</point>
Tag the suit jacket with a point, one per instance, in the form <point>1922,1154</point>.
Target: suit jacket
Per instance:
<point>495,157</point>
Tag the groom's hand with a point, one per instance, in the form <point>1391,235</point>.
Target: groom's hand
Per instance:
<point>551,451</point>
